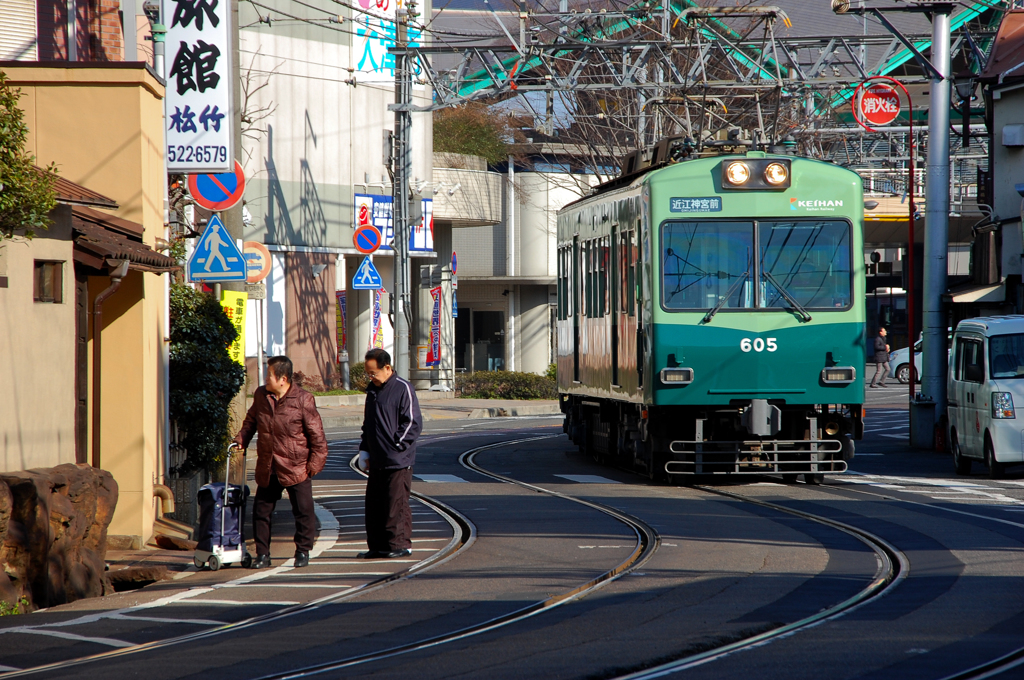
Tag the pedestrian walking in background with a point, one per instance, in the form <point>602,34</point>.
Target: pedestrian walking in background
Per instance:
<point>881,359</point>
<point>387,452</point>
<point>290,451</point>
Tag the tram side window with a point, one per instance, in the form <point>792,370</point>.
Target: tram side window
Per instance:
<point>560,288</point>
<point>602,275</point>
<point>627,274</point>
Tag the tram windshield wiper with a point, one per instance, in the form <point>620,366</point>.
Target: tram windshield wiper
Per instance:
<point>728,294</point>
<point>800,309</point>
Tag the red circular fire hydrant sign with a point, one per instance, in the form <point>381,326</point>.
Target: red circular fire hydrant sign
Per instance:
<point>879,104</point>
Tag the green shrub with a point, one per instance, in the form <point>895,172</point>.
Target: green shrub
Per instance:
<point>19,607</point>
<point>357,378</point>
<point>203,378</point>
<point>505,385</point>
<point>552,372</point>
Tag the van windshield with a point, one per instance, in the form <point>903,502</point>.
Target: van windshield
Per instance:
<point>1007,352</point>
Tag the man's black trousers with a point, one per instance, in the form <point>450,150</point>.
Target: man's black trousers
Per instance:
<point>301,496</point>
<point>388,518</point>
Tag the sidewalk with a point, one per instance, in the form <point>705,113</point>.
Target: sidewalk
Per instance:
<point>351,415</point>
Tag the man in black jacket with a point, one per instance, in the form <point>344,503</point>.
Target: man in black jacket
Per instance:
<point>881,359</point>
<point>387,451</point>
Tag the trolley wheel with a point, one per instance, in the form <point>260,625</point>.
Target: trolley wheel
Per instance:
<point>814,478</point>
<point>198,562</point>
<point>246,561</point>
<point>995,468</point>
<point>214,563</point>
<point>961,463</point>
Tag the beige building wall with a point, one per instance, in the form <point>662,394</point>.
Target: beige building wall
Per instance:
<point>103,127</point>
<point>37,360</point>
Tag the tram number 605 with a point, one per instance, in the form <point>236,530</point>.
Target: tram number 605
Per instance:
<point>758,344</point>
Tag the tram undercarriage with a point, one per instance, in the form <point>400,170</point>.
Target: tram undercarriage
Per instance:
<point>747,437</point>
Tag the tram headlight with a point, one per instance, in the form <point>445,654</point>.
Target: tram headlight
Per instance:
<point>677,376</point>
<point>737,173</point>
<point>1002,405</point>
<point>838,375</point>
<point>776,174</point>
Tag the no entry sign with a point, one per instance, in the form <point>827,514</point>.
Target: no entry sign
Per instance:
<point>218,192</point>
<point>878,104</point>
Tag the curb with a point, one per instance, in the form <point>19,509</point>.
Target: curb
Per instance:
<point>499,412</point>
<point>475,414</point>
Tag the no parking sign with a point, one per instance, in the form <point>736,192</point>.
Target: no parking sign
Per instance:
<point>218,192</point>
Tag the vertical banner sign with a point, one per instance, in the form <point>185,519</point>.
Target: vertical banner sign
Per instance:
<point>434,351</point>
<point>342,314</point>
<point>377,328</point>
<point>234,306</point>
<point>375,33</point>
<point>197,103</point>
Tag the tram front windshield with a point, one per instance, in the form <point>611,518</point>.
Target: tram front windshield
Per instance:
<point>705,264</point>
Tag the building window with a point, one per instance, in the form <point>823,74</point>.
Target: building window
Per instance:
<point>49,281</point>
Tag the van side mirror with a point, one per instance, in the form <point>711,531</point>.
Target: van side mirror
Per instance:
<point>974,373</point>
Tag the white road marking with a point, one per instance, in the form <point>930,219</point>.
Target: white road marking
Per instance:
<point>232,603</point>
<point>588,479</point>
<point>884,429</point>
<point>110,642</point>
<point>158,619</point>
<point>436,479</point>
<point>894,436</point>
<point>271,584</point>
<point>4,669</point>
<point>342,574</point>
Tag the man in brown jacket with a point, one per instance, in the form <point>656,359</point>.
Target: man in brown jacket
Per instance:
<point>290,451</point>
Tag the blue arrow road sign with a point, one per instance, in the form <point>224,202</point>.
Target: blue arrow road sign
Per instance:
<point>367,277</point>
<point>216,257</point>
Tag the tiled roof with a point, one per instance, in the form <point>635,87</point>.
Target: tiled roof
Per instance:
<point>99,237</point>
<point>75,194</point>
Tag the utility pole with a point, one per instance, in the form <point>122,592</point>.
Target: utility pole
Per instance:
<point>934,362</point>
<point>400,190</point>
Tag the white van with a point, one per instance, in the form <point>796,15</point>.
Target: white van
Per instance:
<point>986,381</point>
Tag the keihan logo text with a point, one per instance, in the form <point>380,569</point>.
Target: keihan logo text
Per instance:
<point>795,203</point>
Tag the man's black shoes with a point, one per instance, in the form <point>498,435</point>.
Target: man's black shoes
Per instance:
<point>384,554</point>
<point>301,560</point>
<point>261,562</point>
<point>371,555</point>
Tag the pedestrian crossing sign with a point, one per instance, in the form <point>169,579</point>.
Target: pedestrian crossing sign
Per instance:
<point>216,256</point>
<point>367,277</point>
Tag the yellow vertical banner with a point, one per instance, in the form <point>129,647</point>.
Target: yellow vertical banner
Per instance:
<point>233,303</point>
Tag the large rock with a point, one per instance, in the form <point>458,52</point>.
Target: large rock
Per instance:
<point>56,532</point>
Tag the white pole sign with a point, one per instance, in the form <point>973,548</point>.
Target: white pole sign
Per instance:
<point>197,105</point>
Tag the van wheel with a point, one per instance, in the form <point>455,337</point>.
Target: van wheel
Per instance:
<point>815,478</point>
<point>961,463</point>
<point>995,468</point>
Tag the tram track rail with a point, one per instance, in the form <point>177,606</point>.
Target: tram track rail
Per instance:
<point>647,542</point>
<point>893,568</point>
<point>464,535</point>
<point>988,669</point>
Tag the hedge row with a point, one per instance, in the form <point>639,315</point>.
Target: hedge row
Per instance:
<point>505,385</point>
